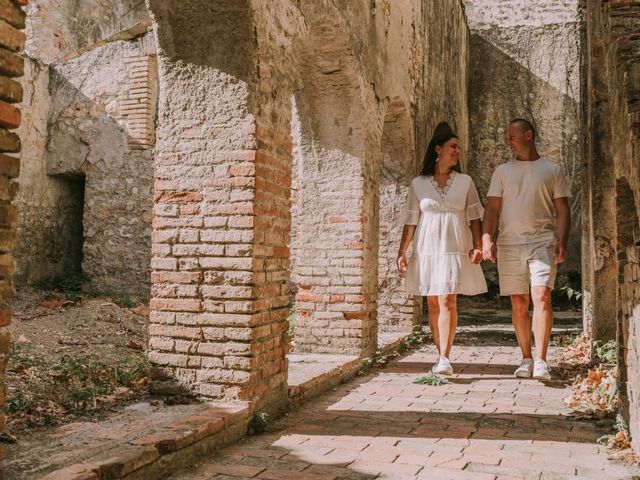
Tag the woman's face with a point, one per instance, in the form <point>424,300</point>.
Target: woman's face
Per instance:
<point>449,153</point>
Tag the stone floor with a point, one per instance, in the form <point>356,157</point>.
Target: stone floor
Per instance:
<point>484,424</point>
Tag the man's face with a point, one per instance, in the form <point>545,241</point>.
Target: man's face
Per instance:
<point>517,140</point>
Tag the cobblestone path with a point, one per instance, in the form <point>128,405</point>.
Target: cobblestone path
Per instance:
<point>484,424</point>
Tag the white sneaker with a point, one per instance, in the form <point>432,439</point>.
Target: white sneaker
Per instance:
<point>443,367</point>
<point>541,370</point>
<point>525,369</point>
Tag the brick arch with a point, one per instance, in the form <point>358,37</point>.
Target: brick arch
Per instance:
<point>221,221</point>
<point>333,268</point>
<point>628,258</point>
<point>397,311</point>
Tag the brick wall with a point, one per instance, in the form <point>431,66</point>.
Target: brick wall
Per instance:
<point>12,40</point>
<point>613,160</point>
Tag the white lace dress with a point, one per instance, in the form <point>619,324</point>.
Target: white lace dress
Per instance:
<point>440,262</point>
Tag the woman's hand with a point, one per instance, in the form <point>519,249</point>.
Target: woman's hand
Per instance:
<point>475,255</point>
<point>401,262</point>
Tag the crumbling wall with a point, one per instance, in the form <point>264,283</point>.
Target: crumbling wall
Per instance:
<point>87,175</point>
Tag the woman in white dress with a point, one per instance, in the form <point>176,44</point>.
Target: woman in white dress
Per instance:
<point>443,218</point>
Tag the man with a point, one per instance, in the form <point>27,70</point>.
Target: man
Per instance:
<point>525,195</point>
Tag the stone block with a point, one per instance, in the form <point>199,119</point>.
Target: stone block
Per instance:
<point>10,116</point>
<point>9,141</point>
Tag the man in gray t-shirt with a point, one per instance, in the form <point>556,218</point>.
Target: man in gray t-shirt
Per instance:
<point>529,196</point>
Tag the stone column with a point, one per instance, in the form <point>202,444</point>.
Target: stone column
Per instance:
<point>12,41</point>
<point>221,208</point>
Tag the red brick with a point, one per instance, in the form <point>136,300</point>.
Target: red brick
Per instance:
<point>176,305</point>
<point>12,13</point>
<point>11,38</point>
<point>11,65</point>
<point>79,471</point>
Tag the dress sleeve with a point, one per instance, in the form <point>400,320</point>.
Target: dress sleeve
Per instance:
<point>411,213</point>
<point>474,206</point>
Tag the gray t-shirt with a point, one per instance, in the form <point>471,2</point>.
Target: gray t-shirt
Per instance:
<point>527,190</point>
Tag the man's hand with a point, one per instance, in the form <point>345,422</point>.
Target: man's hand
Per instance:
<point>488,249</point>
<point>560,252</point>
<point>476,255</point>
<point>402,264</point>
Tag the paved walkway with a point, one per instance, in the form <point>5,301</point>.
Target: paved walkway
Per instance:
<point>484,424</point>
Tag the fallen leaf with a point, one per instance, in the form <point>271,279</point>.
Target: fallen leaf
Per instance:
<point>134,345</point>
<point>55,304</point>
<point>23,339</point>
<point>141,310</point>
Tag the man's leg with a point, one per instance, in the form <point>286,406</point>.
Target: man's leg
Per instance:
<point>542,319</point>
<point>522,322</point>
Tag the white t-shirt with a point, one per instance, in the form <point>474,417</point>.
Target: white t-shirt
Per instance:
<point>527,190</point>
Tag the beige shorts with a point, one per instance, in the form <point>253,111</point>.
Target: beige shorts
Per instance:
<point>523,266</point>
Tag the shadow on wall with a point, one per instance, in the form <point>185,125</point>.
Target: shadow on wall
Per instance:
<point>502,89</point>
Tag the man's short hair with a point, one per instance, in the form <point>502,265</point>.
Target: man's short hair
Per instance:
<point>525,125</point>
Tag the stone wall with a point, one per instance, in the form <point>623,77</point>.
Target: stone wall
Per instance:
<point>246,86</point>
<point>12,40</point>
<point>526,63</point>
<point>87,168</point>
<point>613,176</point>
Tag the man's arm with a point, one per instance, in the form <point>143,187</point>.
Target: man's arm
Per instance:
<point>489,226</point>
<point>563,219</point>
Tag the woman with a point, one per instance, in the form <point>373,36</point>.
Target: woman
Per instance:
<point>443,217</point>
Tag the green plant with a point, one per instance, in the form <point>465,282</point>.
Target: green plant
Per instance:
<point>259,423</point>
<point>605,353</point>
<point>292,318</point>
<point>431,379</point>
<point>20,403</point>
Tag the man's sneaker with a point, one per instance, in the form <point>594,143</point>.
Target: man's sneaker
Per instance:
<point>443,367</point>
<point>541,370</point>
<point>525,369</point>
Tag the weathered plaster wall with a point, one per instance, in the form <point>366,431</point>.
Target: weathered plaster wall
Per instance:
<point>87,169</point>
<point>526,63</point>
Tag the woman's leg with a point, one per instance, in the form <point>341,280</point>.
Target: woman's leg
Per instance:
<point>447,322</point>
<point>434,313</point>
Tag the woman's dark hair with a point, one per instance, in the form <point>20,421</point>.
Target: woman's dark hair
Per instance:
<point>441,135</point>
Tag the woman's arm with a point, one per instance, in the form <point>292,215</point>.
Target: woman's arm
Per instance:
<point>407,236</point>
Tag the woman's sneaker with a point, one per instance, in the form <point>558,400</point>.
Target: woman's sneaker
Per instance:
<point>525,369</point>
<point>443,367</point>
<point>541,370</point>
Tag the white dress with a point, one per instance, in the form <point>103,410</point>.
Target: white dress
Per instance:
<point>440,263</point>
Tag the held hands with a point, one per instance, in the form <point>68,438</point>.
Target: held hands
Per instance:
<point>476,255</point>
<point>488,249</point>
<point>401,262</point>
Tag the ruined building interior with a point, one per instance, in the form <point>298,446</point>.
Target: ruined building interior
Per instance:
<point>234,159</point>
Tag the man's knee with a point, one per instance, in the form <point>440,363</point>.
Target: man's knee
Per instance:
<point>541,297</point>
<point>520,303</point>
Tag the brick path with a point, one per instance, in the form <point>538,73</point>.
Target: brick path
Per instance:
<point>485,424</point>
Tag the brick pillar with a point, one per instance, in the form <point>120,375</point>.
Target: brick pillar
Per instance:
<point>221,210</point>
<point>335,307</point>
<point>12,40</point>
